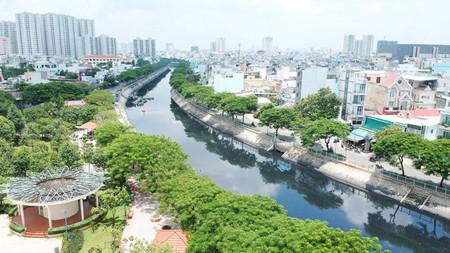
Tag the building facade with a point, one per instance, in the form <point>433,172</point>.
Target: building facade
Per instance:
<point>358,47</point>
<point>402,51</point>
<point>352,91</point>
<point>310,80</point>
<point>220,45</point>
<point>8,30</point>
<point>267,44</point>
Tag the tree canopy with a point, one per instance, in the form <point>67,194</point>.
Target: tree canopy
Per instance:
<point>323,129</point>
<point>321,105</point>
<point>109,131</point>
<point>100,98</point>
<point>44,92</point>
<point>398,145</point>
<point>278,118</point>
<point>434,158</point>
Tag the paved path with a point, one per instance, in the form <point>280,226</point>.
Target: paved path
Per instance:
<point>140,226</point>
<point>15,244</point>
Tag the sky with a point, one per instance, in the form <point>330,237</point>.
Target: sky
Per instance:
<point>293,24</point>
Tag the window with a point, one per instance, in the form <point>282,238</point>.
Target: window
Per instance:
<point>378,79</point>
<point>392,93</point>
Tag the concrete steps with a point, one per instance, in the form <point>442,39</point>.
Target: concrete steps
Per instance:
<point>31,234</point>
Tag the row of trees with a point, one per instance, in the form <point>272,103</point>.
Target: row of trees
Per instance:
<point>431,157</point>
<point>313,118</point>
<point>44,92</point>
<point>8,72</point>
<point>217,220</point>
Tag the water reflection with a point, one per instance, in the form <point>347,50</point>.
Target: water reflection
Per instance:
<point>304,193</point>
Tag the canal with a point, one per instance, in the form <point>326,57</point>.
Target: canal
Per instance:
<point>304,193</point>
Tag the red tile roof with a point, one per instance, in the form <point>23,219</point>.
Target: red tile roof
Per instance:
<point>177,239</point>
<point>74,103</point>
<point>388,81</point>
<point>88,125</point>
<point>425,113</point>
<point>100,57</point>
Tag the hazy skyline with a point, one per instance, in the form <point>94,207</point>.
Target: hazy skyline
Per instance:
<point>293,24</point>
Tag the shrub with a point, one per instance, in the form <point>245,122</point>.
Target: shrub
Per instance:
<point>17,228</point>
<point>94,218</point>
<point>75,242</point>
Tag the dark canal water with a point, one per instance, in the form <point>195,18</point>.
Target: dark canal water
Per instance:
<point>303,192</point>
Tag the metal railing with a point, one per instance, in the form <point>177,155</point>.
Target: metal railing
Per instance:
<point>427,185</point>
<point>326,154</point>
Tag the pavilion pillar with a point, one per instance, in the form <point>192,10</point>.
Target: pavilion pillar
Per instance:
<point>96,200</point>
<point>22,215</point>
<point>82,209</point>
<point>49,216</point>
<point>39,210</point>
<point>18,210</point>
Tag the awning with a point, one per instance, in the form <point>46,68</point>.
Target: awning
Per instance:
<point>359,134</point>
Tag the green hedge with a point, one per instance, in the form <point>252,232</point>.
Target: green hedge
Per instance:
<point>17,228</point>
<point>94,218</point>
<point>75,242</point>
<point>11,211</point>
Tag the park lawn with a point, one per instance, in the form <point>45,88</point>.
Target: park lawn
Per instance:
<point>101,235</point>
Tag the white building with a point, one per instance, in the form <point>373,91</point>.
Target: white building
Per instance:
<point>220,45</point>
<point>105,45</point>
<point>352,91</point>
<point>358,47</point>
<point>267,44</point>
<point>5,46</point>
<point>29,27</point>
<point>144,47</point>
<point>229,83</point>
<point>310,80</point>
<point>8,30</point>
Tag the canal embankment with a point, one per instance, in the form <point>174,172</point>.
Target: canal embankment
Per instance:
<point>367,179</point>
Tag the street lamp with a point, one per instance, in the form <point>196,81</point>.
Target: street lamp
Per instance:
<point>67,225</point>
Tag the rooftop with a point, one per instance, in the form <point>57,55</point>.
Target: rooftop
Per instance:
<point>177,239</point>
<point>55,187</point>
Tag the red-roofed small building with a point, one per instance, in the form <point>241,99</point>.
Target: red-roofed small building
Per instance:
<point>75,103</point>
<point>96,59</point>
<point>177,239</point>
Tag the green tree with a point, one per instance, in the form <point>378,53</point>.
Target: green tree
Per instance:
<point>89,154</point>
<point>20,86</point>
<point>34,113</point>
<point>6,152</point>
<point>321,105</point>
<point>71,75</point>
<point>323,129</point>
<point>100,98</point>
<point>16,117</point>
<point>68,155</point>
<point>277,118</point>
<point>262,108</point>
<point>20,161</point>
<point>7,129</point>
<point>396,146</point>
<point>111,199</point>
<point>93,71</point>
<point>148,157</point>
<point>142,246</point>
<point>40,156</point>
<point>103,117</point>
<point>434,158</point>
<point>387,131</point>
<point>6,97</point>
<point>108,132</point>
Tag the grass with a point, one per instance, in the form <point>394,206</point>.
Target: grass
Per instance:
<point>101,235</point>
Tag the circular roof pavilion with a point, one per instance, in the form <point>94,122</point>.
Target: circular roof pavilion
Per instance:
<point>51,187</point>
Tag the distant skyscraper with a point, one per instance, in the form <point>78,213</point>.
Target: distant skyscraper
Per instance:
<point>124,48</point>
<point>170,47</point>
<point>144,47</point>
<point>358,47</point>
<point>105,45</point>
<point>220,45</point>
<point>267,44</point>
<point>59,34</point>
<point>29,29</point>
<point>213,46</point>
<point>349,42</point>
<point>368,45</point>
<point>194,49</point>
<point>5,46</point>
<point>8,30</point>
